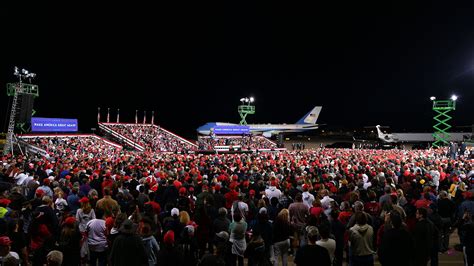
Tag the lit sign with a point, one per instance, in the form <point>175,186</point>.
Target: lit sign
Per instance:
<point>43,124</point>
<point>231,130</point>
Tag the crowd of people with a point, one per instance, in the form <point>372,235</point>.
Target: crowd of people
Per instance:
<point>77,146</point>
<point>152,137</point>
<point>246,142</point>
<point>120,207</point>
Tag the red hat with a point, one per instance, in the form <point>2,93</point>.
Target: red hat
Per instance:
<point>177,184</point>
<point>68,177</point>
<point>5,241</point>
<point>273,183</point>
<point>182,190</point>
<point>46,181</point>
<point>70,220</point>
<point>191,189</point>
<point>252,192</point>
<point>39,193</point>
<point>84,200</point>
<point>305,187</point>
<point>217,187</point>
<point>5,202</point>
<point>169,237</point>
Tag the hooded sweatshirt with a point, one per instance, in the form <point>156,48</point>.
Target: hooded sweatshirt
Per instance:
<point>361,238</point>
<point>272,191</point>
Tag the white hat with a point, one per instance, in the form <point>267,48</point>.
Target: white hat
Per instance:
<point>175,212</point>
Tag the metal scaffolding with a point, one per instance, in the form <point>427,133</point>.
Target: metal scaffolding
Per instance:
<point>442,117</point>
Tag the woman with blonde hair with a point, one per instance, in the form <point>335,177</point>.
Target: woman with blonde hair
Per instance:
<point>184,218</point>
<point>281,237</point>
<point>84,214</point>
<point>402,201</point>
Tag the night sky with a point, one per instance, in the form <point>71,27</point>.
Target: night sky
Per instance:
<point>365,65</point>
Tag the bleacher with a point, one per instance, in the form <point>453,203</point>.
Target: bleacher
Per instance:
<point>148,137</point>
<point>69,144</point>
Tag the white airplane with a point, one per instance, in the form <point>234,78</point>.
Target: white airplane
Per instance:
<point>416,137</point>
<point>307,122</point>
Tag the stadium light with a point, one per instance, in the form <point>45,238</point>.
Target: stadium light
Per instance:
<point>252,99</point>
<point>454,97</point>
<point>23,74</point>
<point>432,98</point>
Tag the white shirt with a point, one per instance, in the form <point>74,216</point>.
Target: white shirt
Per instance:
<point>329,244</point>
<point>272,192</point>
<point>308,199</point>
<point>325,202</point>
<point>243,207</point>
<point>20,178</point>
<point>60,204</point>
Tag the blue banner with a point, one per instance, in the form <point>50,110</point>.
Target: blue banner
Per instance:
<point>43,124</point>
<point>231,130</point>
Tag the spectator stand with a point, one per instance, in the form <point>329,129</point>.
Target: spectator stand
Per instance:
<point>148,137</point>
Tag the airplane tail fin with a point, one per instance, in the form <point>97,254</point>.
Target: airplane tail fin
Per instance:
<point>379,132</point>
<point>311,117</point>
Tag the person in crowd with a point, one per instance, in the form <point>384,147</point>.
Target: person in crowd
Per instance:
<point>69,242</point>
<point>97,239</point>
<point>84,214</point>
<point>169,255</point>
<point>237,229</point>
<point>361,241</point>
<point>298,215</point>
<point>311,253</point>
<point>396,241</point>
<point>55,258</point>
<point>149,242</point>
<point>423,236</point>
<point>128,248</point>
<point>325,241</point>
<point>281,237</point>
<point>5,250</point>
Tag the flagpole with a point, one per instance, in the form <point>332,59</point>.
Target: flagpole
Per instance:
<point>108,115</point>
<point>118,115</point>
<point>98,114</point>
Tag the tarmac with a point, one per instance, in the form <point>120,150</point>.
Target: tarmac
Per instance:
<point>449,258</point>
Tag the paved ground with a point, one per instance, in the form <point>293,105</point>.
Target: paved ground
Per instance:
<point>450,258</point>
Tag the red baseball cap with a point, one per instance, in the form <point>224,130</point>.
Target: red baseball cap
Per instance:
<point>5,241</point>
<point>70,220</point>
<point>84,200</point>
<point>5,202</point>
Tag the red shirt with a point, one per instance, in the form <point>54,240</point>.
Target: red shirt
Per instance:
<point>372,208</point>
<point>344,217</point>
<point>316,211</point>
<point>422,203</point>
<point>230,197</point>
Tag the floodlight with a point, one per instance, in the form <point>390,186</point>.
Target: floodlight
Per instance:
<point>454,97</point>
<point>246,99</point>
<point>432,98</point>
<point>252,99</point>
<point>242,99</point>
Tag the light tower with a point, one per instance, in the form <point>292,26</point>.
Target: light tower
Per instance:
<point>21,92</point>
<point>441,127</point>
<point>246,108</point>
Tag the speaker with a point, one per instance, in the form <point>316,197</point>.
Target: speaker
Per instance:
<point>25,108</point>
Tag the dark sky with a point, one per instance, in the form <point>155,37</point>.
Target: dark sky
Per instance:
<point>365,65</point>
